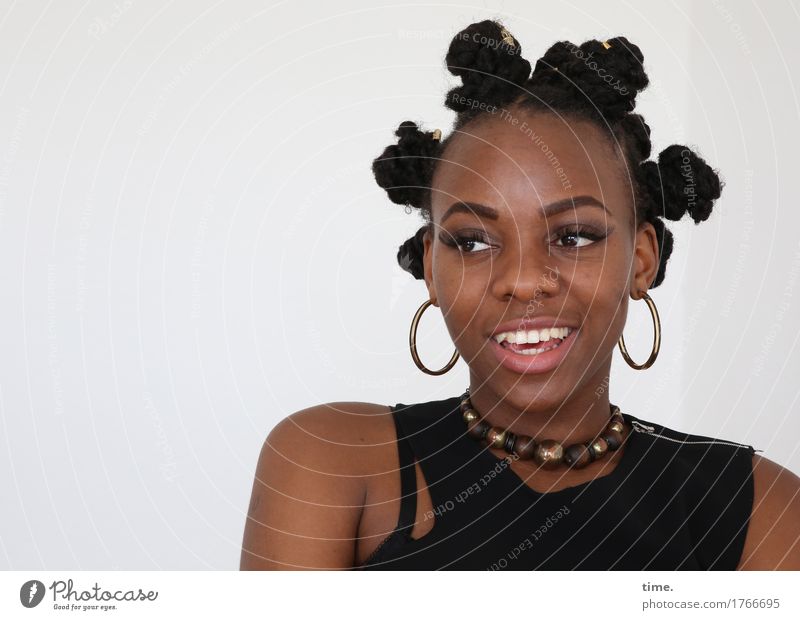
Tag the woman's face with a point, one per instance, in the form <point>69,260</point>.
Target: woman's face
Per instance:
<point>521,258</point>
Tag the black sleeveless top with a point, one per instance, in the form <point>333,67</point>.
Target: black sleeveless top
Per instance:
<point>674,501</point>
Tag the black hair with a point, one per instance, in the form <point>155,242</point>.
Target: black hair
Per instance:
<point>597,81</point>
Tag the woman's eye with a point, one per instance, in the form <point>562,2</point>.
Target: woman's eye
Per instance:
<point>465,243</point>
<point>578,238</point>
<point>476,243</point>
<point>470,245</point>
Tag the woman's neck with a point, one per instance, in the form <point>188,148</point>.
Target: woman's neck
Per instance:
<point>577,420</point>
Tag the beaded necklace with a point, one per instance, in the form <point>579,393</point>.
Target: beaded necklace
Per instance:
<point>547,453</point>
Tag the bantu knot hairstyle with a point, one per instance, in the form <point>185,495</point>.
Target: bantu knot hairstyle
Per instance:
<point>405,169</point>
<point>597,81</point>
<point>490,64</point>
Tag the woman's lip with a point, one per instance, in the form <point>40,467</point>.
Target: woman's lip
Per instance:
<point>532,364</point>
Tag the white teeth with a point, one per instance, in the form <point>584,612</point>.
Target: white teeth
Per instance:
<point>536,351</point>
<point>532,336</point>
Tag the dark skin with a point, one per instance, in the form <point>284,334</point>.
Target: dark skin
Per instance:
<point>511,273</point>
<point>327,490</point>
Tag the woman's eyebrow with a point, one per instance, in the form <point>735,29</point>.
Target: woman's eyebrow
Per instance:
<point>549,210</point>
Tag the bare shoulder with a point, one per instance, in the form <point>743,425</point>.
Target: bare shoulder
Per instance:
<point>309,488</point>
<point>773,535</point>
<point>338,438</point>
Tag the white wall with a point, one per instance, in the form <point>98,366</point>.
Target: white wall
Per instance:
<point>192,246</point>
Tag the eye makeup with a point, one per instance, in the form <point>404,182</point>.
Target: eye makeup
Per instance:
<point>464,241</point>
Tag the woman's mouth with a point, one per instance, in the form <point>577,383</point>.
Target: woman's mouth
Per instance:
<point>533,342</point>
<point>533,351</point>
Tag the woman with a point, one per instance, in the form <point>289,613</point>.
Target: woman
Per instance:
<point>542,216</point>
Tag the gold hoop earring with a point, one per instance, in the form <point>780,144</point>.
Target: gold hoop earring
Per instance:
<point>412,343</point>
<point>656,339</point>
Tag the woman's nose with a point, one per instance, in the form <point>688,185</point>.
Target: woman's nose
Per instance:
<point>526,274</point>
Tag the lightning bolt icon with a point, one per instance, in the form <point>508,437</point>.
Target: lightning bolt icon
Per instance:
<point>33,592</point>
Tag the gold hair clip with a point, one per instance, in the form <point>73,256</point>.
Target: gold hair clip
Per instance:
<point>507,38</point>
<point>606,44</point>
<point>437,134</point>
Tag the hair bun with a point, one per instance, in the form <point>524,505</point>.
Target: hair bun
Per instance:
<point>609,73</point>
<point>489,61</point>
<point>404,169</point>
<point>681,182</point>
<point>411,252</point>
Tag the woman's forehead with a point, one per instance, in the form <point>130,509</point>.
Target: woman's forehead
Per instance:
<point>537,161</point>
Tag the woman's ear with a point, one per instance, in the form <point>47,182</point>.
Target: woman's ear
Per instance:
<point>646,259</point>
<point>427,259</point>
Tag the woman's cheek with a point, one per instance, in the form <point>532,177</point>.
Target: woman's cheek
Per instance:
<point>613,314</point>
<point>462,312</point>
<point>456,287</point>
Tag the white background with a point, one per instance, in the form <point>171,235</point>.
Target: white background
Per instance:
<point>192,245</point>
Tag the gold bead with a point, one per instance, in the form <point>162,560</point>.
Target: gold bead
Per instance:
<point>616,426</point>
<point>437,134</point>
<point>548,454</point>
<point>606,44</point>
<point>470,415</point>
<point>600,447</point>
<point>496,437</point>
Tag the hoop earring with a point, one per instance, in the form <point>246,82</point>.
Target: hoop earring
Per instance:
<point>412,343</point>
<point>656,340</point>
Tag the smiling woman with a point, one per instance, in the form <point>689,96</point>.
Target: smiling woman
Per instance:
<point>543,215</point>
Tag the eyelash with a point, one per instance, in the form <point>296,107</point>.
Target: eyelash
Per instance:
<point>458,241</point>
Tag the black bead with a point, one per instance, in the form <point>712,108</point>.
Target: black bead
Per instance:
<point>508,444</point>
<point>479,429</point>
<point>612,439</point>
<point>574,455</point>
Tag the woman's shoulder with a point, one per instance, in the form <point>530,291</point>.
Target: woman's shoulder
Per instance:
<point>340,433</point>
<point>311,478</point>
<point>705,466</point>
<point>719,466</point>
<point>338,412</point>
<point>773,536</point>
<point>688,442</point>
<point>713,473</point>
